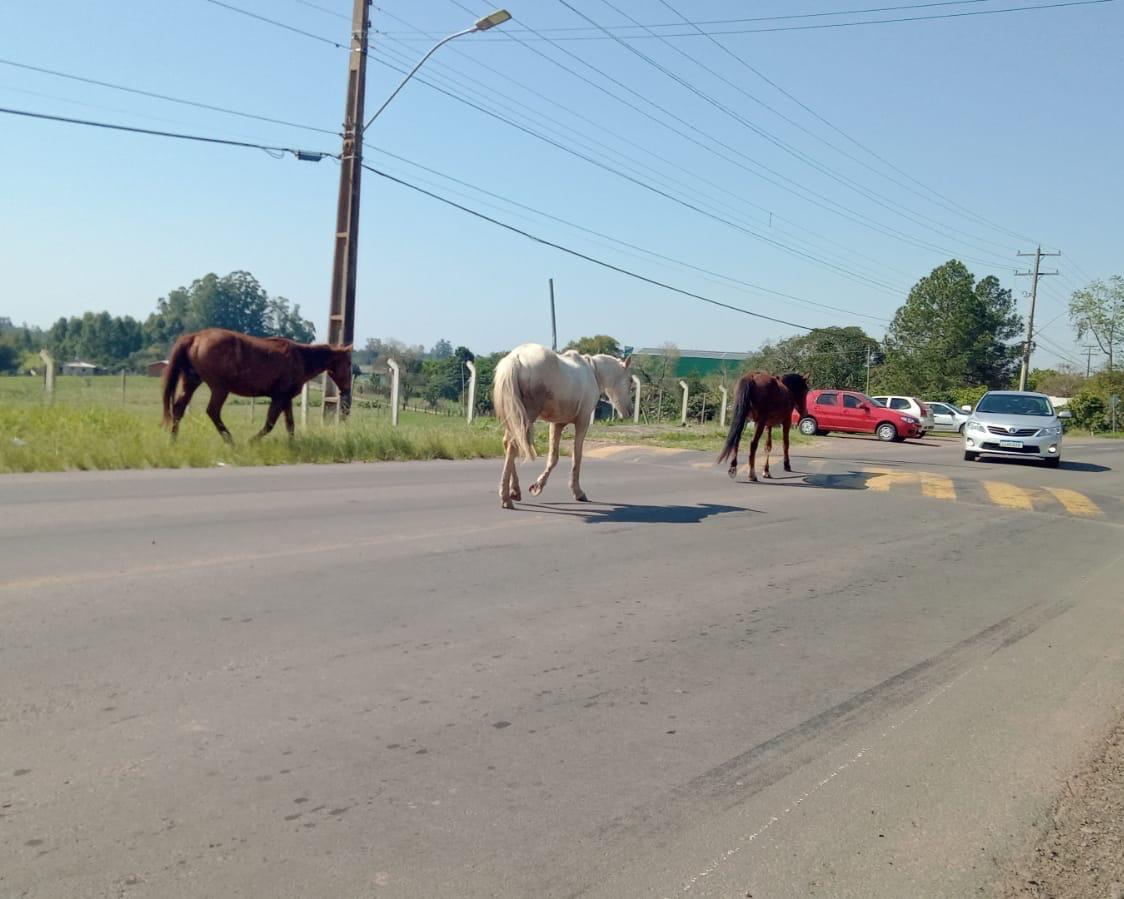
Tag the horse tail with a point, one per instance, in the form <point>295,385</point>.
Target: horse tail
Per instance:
<point>743,408</point>
<point>509,405</point>
<point>178,363</point>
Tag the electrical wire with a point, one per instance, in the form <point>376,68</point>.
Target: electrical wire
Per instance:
<point>274,22</point>
<point>309,155</point>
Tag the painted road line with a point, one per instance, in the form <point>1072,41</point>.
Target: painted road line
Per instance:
<point>1075,503</point>
<point>882,481</point>
<point>937,486</point>
<point>1008,495</point>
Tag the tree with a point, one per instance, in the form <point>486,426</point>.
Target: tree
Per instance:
<point>591,346</point>
<point>441,350</point>
<point>235,301</point>
<point>9,358</point>
<point>282,321</point>
<point>1098,310</point>
<point>830,357</point>
<point>952,332</point>
<point>1062,382</point>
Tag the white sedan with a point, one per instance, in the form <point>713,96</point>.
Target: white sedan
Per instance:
<point>946,417</point>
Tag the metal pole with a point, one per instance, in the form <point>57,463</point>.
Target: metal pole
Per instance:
<point>868,371</point>
<point>341,307</point>
<point>553,320</point>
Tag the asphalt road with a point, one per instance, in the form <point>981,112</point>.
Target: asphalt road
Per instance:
<point>866,679</point>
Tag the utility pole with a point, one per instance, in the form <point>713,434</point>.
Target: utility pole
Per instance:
<point>341,306</point>
<point>1089,350</point>
<point>553,321</point>
<point>868,371</point>
<point>1024,370</point>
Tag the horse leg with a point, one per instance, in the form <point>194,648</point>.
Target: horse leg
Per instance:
<point>580,427</point>
<point>191,383</point>
<point>275,408</point>
<point>214,411</point>
<point>288,410</point>
<point>508,469</point>
<point>758,427</point>
<point>768,450</point>
<point>784,435</point>
<point>551,459</point>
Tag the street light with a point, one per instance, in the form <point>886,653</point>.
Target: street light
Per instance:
<point>341,305</point>
<point>491,21</point>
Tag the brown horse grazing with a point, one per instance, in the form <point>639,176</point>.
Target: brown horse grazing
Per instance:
<point>230,362</point>
<point>769,401</point>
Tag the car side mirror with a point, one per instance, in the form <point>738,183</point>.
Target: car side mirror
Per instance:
<point>967,409</point>
<point>1064,413</point>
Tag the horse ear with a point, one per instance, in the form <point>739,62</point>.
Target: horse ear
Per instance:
<point>627,361</point>
<point>347,349</point>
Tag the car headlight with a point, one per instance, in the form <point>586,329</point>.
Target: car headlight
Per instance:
<point>976,426</point>
<point>1052,431</point>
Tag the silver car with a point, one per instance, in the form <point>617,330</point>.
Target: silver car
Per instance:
<point>947,417</point>
<point>1014,423</point>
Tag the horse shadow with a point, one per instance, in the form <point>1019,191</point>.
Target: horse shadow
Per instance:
<point>848,480</point>
<point>632,513</point>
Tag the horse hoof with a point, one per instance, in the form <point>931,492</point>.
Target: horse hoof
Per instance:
<point>767,475</point>
<point>516,495</point>
<point>753,478</point>
<point>581,499</point>
<point>506,504</point>
<point>535,489</point>
<point>787,467</point>
<point>732,472</point>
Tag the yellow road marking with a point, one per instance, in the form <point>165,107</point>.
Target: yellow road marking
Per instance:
<point>1008,495</point>
<point>937,486</point>
<point>1075,503</point>
<point>882,481</point>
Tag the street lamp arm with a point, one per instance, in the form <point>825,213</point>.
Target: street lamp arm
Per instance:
<point>420,63</point>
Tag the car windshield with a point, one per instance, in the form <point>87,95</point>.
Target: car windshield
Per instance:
<point>1014,404</point>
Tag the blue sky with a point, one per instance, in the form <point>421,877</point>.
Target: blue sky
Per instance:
<point>1010,118</point>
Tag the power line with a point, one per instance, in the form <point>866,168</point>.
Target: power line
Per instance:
<point>166,97</point>
<point>624,243</point>
<point>857,23</point>
<point>331,12</point>
<point>461,76</point>
<point>274,22</point>
<point>304,155</point>
<point>951,204</point>
<point>577,253</point>
<point>688,134</point>
<point>640,183</point>
<point>871,195</point>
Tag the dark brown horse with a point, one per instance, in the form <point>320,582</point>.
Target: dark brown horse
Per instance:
<point>769,401</point>
<point>230,362</point>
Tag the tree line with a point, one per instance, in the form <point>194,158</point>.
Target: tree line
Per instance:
<point>235,301</point>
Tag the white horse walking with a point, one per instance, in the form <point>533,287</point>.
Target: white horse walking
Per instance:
<point>532,382</point>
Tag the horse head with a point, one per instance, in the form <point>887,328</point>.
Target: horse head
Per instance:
<point>797,385</point>
<point>339,370</point>
<point>614,377</point>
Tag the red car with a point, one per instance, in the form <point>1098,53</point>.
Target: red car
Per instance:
<point>848,410</point>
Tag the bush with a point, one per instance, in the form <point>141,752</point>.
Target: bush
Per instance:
<point>968,396</point>
<point>1089,410</point>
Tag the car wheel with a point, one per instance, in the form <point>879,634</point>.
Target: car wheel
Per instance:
<point>1052,461</point>
<point>808,427</point>
<point>886,431</point>
<point>960,430</point>
<point>970,456</point>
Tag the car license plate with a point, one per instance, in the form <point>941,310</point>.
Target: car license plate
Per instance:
<point>1011,444</point>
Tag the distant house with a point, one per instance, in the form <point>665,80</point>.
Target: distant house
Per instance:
<point>156,369</point>
<point>80,368</point>
<point>699,363</point>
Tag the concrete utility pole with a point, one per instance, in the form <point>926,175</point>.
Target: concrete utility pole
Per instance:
<point>553,320</point>
<point>1024,370</point>
<point>1089,350</point>
<point>341,308</point>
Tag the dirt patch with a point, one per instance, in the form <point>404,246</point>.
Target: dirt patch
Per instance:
<point>1081,853</point>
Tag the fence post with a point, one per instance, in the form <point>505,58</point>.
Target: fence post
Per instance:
<point>394,374</point>
<point>48,374</point>
<point>636,400</point>
<point>124,376</point>
<point>304,407</point>
<point>722,411</point>
<point>471,389</point>
<point>683,415</point>
<point>252,399</point>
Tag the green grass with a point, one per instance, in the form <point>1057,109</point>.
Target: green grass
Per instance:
<point>91,425</point>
